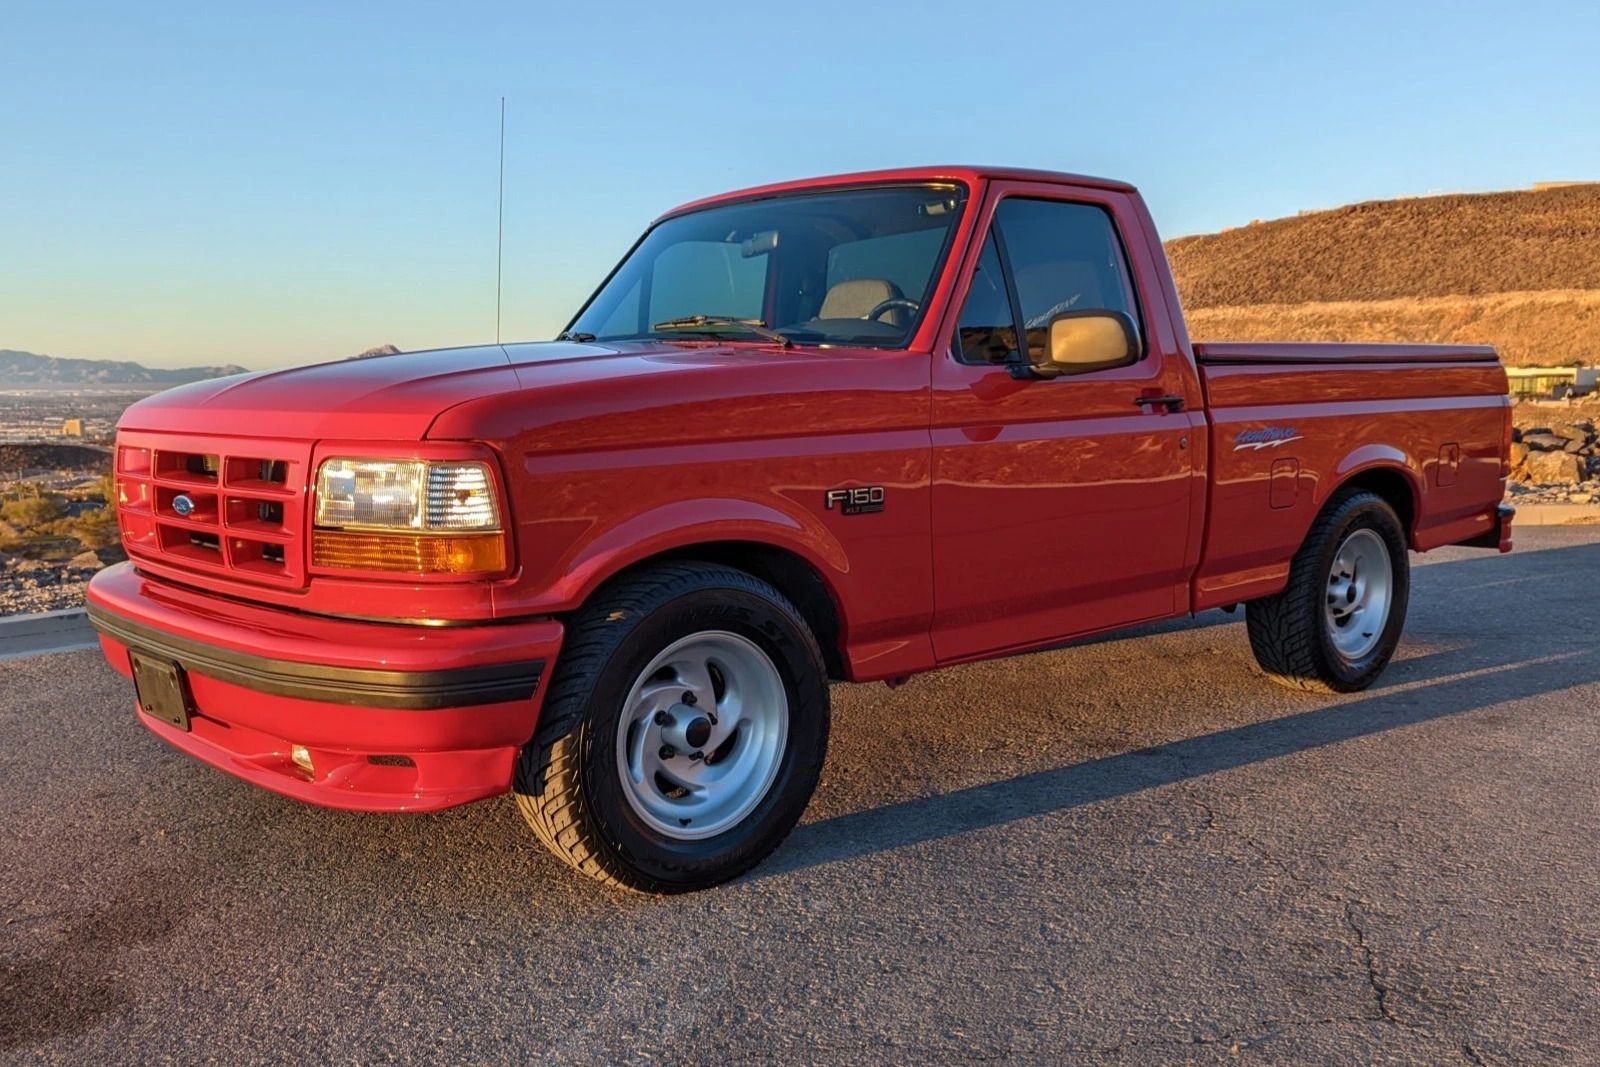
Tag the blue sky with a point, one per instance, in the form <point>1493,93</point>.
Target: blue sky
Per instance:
<point>270,184</point>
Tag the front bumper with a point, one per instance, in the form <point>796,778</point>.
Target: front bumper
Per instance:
<point>392,717</point>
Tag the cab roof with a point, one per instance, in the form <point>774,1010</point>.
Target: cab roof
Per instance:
<point>967,175</point>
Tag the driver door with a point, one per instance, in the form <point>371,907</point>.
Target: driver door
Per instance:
<point>1061,506</point>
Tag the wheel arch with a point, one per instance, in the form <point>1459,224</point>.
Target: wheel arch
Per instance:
<point>1386,475</point>
<point>800,578</point>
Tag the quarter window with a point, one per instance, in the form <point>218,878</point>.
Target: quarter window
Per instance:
<point>987,332</point>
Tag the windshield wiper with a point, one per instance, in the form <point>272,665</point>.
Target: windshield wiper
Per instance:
<point>755,326</point>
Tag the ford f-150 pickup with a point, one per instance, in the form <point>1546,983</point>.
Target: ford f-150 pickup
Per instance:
<point>851,428</point>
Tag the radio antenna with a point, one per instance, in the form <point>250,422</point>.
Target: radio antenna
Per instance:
<point>500,223</point>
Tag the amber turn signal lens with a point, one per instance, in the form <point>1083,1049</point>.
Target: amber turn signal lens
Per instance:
<point>409,553</point>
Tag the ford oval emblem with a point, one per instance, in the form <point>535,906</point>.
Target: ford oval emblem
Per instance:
<point>183,505</point>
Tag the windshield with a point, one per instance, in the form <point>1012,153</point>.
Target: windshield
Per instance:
<point>849,267</point>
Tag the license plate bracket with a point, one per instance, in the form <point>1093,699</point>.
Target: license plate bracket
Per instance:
<point>162,690</point>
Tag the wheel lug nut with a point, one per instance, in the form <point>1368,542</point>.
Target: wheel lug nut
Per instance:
<point>690,699</point>
<point>668,752</point>
<point>663,719</point>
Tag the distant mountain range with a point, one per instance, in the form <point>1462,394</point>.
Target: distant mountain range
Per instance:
<point>29,368</point>
<point>381,350</point>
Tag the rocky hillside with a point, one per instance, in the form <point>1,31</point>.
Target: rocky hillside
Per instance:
<point>1520,270</point>
<point>29,368</point>
<point>1555,452</point>
<point>18,459</point>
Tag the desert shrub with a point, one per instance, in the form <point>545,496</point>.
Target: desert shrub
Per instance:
<point>31,512</point>
<point>96,529</point>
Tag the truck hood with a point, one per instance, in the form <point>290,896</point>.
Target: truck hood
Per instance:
<point>406,397</point>
<point>394,398</point>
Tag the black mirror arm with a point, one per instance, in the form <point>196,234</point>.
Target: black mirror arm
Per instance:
<point>1025,370</point>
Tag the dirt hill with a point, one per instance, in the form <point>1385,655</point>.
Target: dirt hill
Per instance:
<point>1520,270</point>
<point>20,459</point>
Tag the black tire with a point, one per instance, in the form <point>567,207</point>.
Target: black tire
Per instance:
<point>1290,633</point>
<point>567,783</point>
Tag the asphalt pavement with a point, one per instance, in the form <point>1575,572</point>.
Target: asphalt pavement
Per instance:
<point>1137,850</point>
<point>45,631</point>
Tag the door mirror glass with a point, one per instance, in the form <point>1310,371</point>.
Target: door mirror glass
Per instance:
<point>1089,340</point>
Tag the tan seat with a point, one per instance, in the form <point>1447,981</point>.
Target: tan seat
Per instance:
<point>855,299</point>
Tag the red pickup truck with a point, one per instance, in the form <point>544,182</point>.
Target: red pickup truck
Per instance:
<point>851,428</point>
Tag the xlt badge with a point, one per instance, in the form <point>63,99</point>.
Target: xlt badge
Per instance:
<point>862,500</point>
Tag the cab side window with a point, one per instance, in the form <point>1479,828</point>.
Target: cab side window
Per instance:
<point>1054,258</point>
<point>1062,258</point>
<point>987,331</point>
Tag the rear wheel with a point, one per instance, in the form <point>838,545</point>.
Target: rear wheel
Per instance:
<point>683,733</point>
<point>1337,623</point>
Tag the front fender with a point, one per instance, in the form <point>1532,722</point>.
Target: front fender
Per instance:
<point>671,527</point>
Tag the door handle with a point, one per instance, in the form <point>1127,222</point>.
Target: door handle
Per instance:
<point>1171,403</point>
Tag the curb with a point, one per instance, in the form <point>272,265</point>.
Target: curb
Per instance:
<point>46,632</point>
<point>1531,514</point>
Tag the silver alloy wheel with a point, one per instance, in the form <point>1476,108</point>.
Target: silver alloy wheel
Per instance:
<point>1360,592</point>
<point>702,735</point>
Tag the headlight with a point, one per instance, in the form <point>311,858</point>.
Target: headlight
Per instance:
<point>408,517</point>
<point>408,495</point>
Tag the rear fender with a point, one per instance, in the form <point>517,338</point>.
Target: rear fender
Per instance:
<point>1258,545</point>
<point>1388,459</point>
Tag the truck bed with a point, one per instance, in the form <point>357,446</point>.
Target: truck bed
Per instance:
<point>1424,425</point>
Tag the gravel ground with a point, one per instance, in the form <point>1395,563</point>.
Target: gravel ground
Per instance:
<point>1134,851</point>
<point>28,586</point>
<point>26,598</point>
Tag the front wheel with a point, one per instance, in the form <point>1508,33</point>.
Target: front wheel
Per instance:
<point>683,733</point>
<point>1337,623</point>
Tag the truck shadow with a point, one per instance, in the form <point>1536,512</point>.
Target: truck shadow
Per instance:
<point>1486,664</point>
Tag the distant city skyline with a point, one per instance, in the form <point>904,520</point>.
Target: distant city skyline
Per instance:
<point>198,184</point>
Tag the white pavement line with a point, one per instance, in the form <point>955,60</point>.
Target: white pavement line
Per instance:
<point>45,633</point>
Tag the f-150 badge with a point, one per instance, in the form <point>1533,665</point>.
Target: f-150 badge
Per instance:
<point>862,500</point>
<point>1266,437</point>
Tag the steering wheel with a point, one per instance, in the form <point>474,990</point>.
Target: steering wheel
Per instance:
<point>888,305</point>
